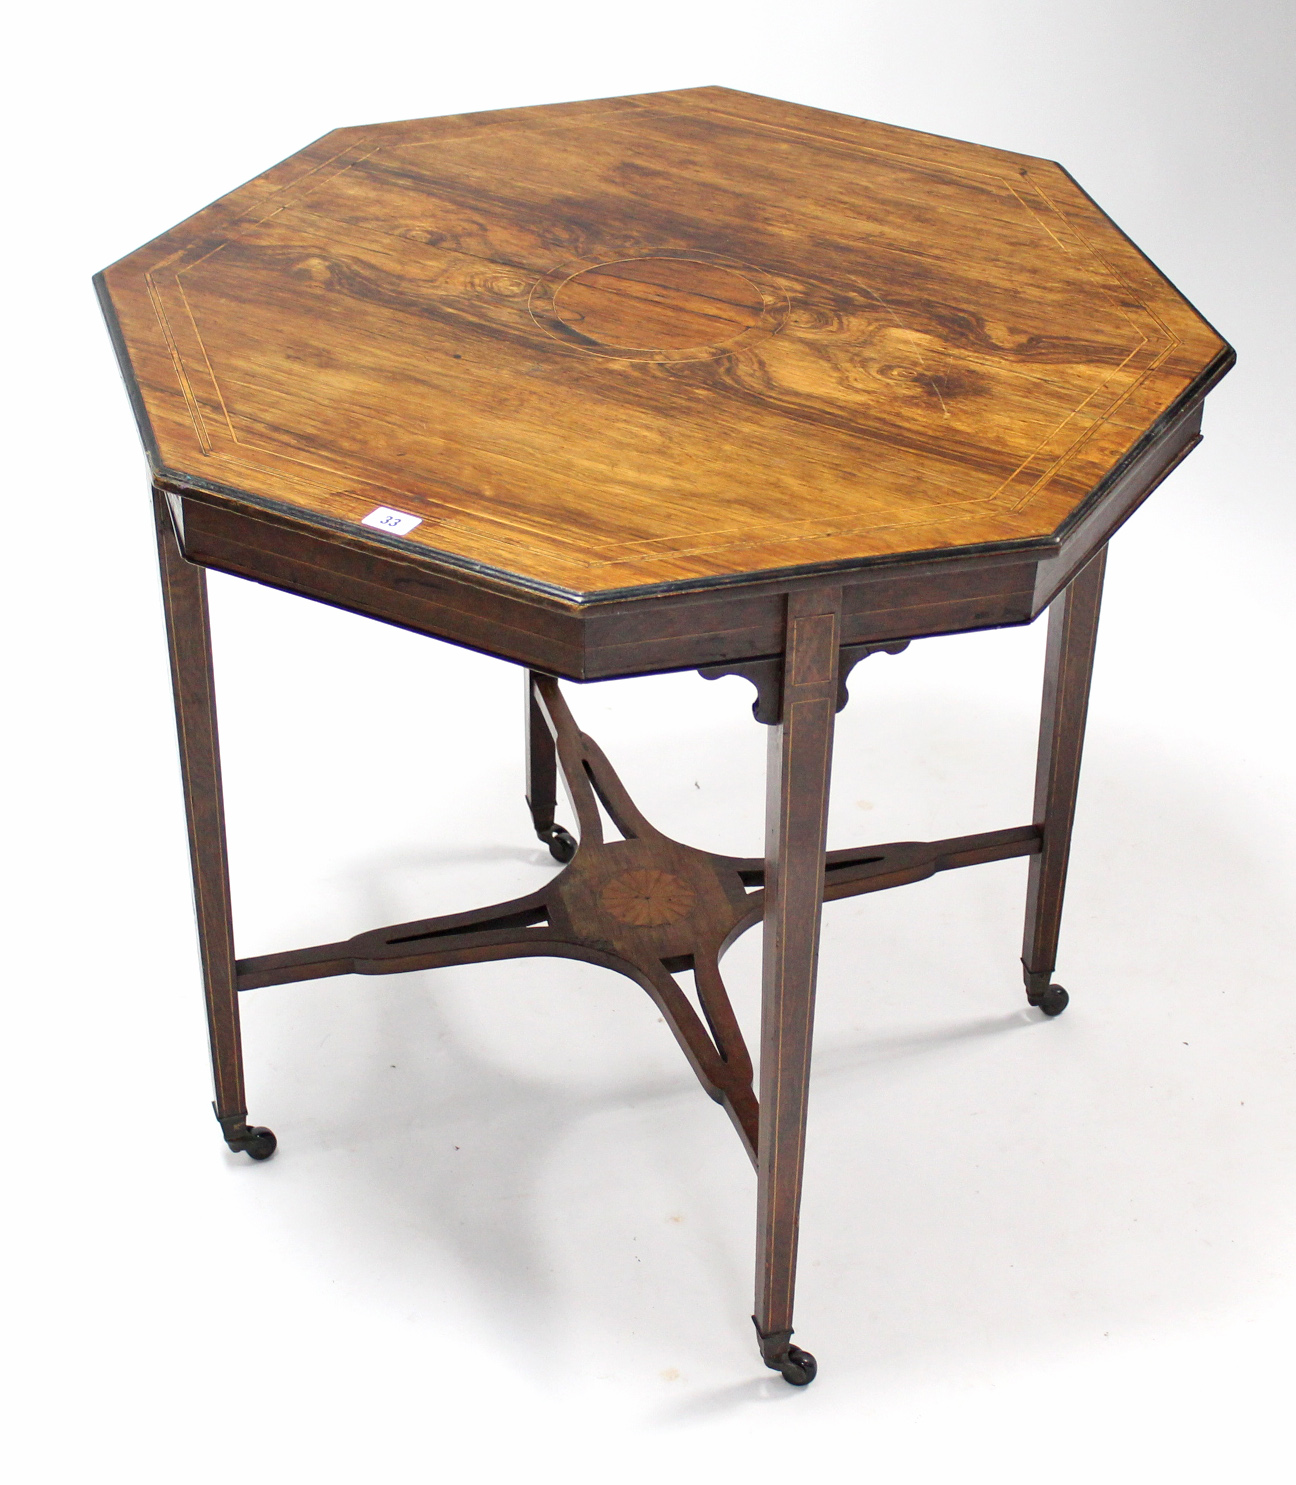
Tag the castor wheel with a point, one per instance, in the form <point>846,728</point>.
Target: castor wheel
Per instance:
<point>247,1139</point>
<point>798,1367</point>
<point>259,1143</point>
<point>1052,1001</point>
<point>561,843</point>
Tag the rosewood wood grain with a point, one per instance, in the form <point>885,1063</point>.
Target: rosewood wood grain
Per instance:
<point>1094,524</point>
<point>589,639</point>
<point>682,380</point>
<point>656,342</point>
<point>1068,674</point>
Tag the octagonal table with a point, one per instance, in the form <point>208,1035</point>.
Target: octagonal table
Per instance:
<point>688,380</point>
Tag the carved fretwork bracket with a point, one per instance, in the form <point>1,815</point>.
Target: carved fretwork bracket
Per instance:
<point>645,906</point>
<point>766,674</point>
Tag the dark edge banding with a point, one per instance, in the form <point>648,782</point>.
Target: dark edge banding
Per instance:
<point>142,422</point>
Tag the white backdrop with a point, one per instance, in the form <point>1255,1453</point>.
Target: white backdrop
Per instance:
<point>505,1232</point>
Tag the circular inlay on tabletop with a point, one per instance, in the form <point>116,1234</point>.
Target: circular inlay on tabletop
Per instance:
<point>663,306</point>
<point>659,304</point>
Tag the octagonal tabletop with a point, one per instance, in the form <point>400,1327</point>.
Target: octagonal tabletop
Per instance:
<point>656,343</point>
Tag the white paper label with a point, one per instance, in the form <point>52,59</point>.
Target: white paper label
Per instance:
<point>395,521</point>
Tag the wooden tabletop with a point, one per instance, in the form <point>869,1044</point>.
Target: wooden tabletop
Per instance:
<point>658,340</point>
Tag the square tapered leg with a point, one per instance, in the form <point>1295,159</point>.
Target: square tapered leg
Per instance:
<point>1068,672</point>
<point>800,760</point>
<point>184,599</point>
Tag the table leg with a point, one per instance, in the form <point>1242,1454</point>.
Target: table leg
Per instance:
<point>542,776</point>
<point>184,598</point>
<point>1072,633</point>
<point>796,812</point>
